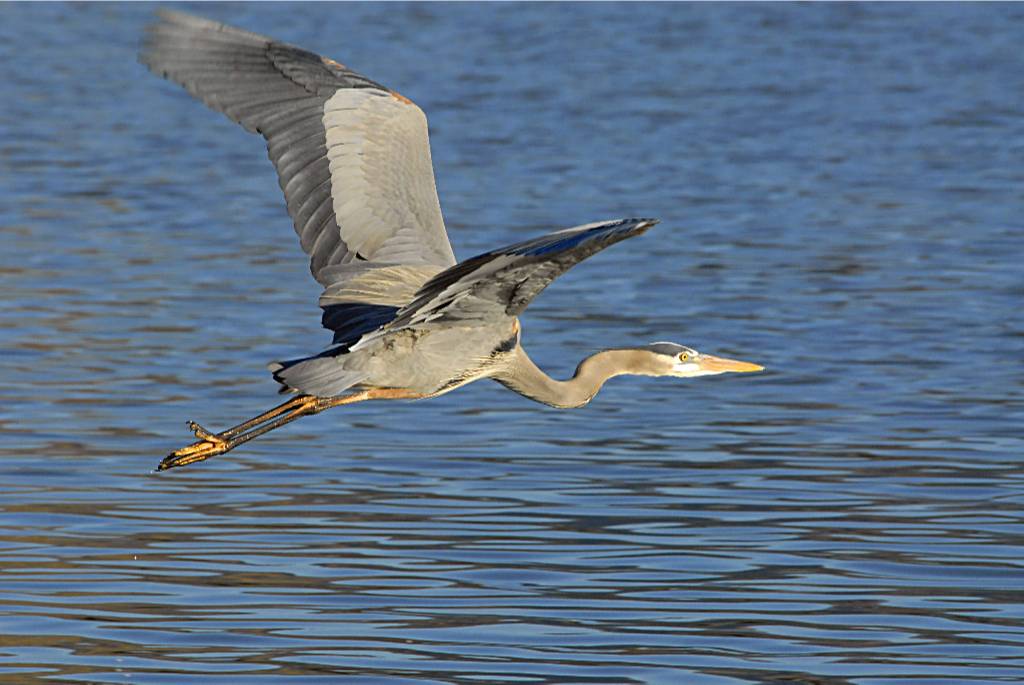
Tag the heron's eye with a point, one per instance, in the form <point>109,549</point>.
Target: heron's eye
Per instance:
<point>683,356</point>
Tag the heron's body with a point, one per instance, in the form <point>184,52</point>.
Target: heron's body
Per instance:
<point>421,360</point>
<point>409,320</point>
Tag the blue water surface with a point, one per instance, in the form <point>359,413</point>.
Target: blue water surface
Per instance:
<point>841,191</point>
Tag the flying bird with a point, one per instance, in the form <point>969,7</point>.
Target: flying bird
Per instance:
<point>409,320</point>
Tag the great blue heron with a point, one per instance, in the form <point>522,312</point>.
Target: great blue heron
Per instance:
<point>409,321</point>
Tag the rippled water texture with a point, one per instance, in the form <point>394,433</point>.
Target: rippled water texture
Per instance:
<point>840,189</point>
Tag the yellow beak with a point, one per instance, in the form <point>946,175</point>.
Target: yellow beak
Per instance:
<point>711,363</point>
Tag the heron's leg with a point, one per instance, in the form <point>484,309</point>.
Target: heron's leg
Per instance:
<point>204,434</point>
<point>210,444</point>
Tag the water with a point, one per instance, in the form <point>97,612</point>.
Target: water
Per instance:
<point>841,191</point>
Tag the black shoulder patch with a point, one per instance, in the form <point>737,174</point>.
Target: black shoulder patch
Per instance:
<point>506,345</point>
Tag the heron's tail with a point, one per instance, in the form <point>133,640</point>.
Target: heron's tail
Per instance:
<point>322,376</point>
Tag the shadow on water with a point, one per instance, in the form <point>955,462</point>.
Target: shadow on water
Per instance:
<point>838,187</point>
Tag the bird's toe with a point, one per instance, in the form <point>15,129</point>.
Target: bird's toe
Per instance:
<point>203,434</point>
<point>209,445</point>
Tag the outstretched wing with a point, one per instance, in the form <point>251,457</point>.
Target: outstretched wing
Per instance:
<point>501,283</point>
<point>352,157</point>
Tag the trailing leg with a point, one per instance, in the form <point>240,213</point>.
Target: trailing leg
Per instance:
<point>212,444</point>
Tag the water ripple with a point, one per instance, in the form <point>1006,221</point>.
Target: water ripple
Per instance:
<point>839,189</point>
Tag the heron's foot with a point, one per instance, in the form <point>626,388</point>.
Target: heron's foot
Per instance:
<point>202,433</point>
<point>208,445</point>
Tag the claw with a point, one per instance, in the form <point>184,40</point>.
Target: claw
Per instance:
<point>209,445</point>
<point>202,433</point>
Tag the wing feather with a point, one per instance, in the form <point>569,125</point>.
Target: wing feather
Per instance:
<point>501,283</point>
<point>352,157</point>
<point>316,115</point>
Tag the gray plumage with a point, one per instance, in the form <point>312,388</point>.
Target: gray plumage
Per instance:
<point>353,161</point>
<point>352,157</point>
<point>453,327</point>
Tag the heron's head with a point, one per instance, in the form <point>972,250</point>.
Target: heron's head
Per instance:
<point>670,359</point>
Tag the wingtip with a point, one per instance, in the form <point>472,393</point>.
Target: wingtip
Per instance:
<point>183,18</point>
<point>637,225</point>
<point>633,223</point>
<point>165,17</point>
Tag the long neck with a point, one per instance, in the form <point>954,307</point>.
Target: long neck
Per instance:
<point>525,378</point>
